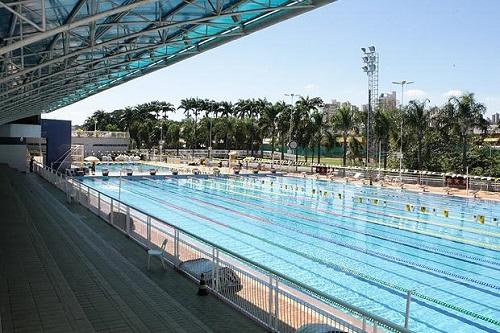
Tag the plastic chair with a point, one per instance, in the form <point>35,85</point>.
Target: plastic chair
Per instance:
<point>157,253</point>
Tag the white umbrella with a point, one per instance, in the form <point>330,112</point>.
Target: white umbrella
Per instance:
<point>91,159</point>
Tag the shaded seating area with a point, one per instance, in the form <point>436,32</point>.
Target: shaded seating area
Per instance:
<point>63,270</point>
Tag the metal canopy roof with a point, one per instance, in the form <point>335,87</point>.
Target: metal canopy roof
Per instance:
<point>56,52</point>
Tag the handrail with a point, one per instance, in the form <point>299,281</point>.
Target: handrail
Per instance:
<point>309,290</point>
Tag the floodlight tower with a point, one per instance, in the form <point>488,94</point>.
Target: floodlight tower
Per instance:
<point>371,65</point>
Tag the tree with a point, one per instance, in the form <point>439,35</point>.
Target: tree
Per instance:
<point>174,135</point>
<point>355,149</point>
<point>192,106</point>
<point>301,121</point>
<point>417,119</point>
<point>344,122</point>
<point>319,124</point>
<point>227,110</point>
<point>269,122</point>
<point>283,125</point>
<point>464,114</point>
<point>382,126</point>
<point>251,109</point>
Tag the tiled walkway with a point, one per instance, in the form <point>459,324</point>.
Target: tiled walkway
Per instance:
<point>64,270</point>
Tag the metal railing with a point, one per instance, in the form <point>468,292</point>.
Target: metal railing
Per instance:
<point>99,134</point>
<point>417,177</point>
<point>278,302</point>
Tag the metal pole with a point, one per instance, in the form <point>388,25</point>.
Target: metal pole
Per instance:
<point>210,143</point>
<point>368,127</point>
<point>401,135</point>
<point>379,157</point>
<point>467,181</point>
<point>120,190</point>
<point>408,303</point>
<point>161,142</point>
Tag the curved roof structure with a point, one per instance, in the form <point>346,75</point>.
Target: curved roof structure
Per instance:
<point>56,52</point>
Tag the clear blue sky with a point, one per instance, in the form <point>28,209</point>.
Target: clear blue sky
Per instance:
<point>445,46</point>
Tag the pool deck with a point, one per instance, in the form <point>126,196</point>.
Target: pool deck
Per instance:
<point>485,195</point>
<point>63,270</point>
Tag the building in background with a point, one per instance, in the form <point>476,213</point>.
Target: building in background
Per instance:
<point>388,101</point>
<point>329,109</point>
<point>495,118</point>
<point>14,140</point>
<point>99,143</point>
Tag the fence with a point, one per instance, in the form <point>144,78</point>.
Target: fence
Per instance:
<point>99,134</point>
<point>279,303</point>
<point>417,177</point>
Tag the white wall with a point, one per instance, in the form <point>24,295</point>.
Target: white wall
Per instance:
<point>105,144</point>
<point>20,130</point>
<point>14,156</point>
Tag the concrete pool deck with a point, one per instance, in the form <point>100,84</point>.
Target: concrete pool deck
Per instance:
<point>63,270</point>
<point>485,195</point>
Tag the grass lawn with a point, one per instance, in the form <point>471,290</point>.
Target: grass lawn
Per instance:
<point>325,160</point>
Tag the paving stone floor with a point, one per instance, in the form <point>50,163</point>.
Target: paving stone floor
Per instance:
<point>62,269</point>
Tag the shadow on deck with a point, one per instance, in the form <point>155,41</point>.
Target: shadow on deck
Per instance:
<point>63,270</point>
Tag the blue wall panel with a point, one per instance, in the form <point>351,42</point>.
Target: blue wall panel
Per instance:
<point>58,135</point>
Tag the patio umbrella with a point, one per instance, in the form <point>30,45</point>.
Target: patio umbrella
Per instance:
<point>91,159</point>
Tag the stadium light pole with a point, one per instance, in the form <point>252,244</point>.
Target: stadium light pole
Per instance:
<point>370,61</point>
<point>402,84</point>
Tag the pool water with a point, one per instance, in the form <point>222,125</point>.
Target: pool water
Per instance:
<point>365,245</point>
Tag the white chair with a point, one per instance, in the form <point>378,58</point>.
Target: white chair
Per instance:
<point>157,253</point>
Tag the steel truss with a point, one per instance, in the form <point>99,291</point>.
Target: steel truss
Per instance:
<point>53,54</point>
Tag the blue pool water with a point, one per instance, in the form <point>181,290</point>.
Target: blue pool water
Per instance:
<point>358,243</point>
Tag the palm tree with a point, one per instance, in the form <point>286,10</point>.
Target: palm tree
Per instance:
<point>301,121</point>
<point>192,106</point>
<point>227,110</point>
<point>284,125</point>
<point>211,107</point>
<point>355,149</point>
<point>417,118</point>
<point>465,114</point>
<point>174,135</point>
<point>344,122</point>
<point>382,126</point>
<point>126,117</point>
<point>319,124</point>
<point>269,123</point>
<point>251,109</point>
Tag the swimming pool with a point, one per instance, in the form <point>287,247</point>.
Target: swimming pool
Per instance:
<point>362,244</point>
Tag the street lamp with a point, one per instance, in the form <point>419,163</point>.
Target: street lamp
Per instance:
<point>402,84</point>
<point>292,95</point>
<point>161,141</point>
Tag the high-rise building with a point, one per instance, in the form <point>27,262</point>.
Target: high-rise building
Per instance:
<point>388,101</point>
<point>329,109</point>
<point>495,118</point>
